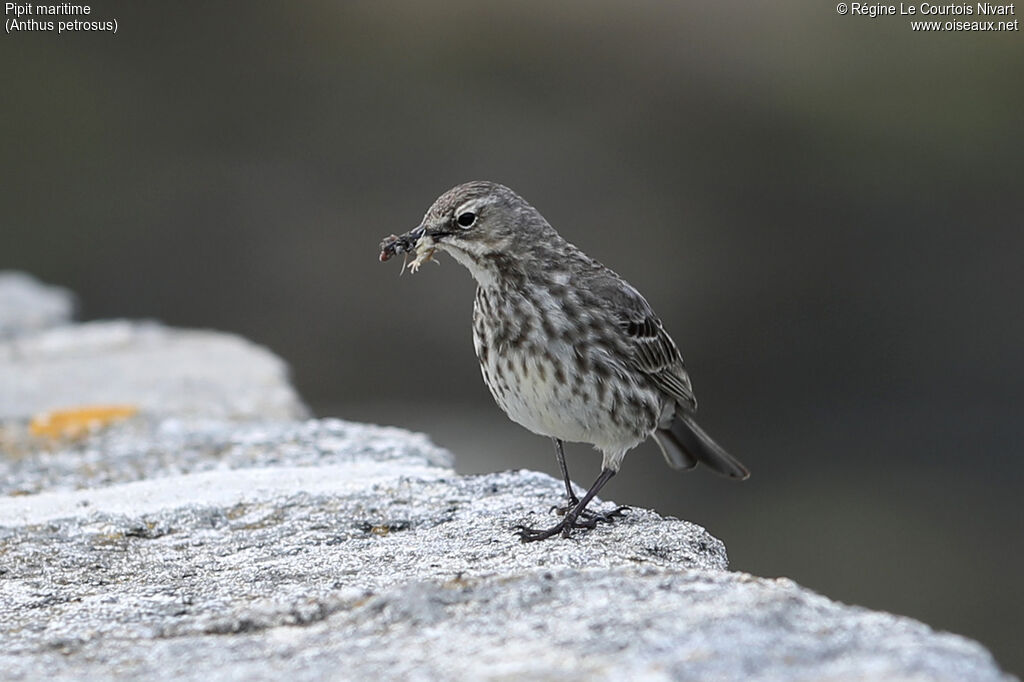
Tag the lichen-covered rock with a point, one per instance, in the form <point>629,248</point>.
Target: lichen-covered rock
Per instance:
<point>189,530</point>
<point>327,550</point>
<point>200,529</point>
<point>27,305</point>
<point>147,449</point>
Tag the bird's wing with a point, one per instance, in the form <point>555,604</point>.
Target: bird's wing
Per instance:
<point>653,351</point>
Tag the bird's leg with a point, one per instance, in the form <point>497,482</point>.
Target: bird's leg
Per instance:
<point>587,518</point>
<point>570,496</point>
<point>572,517</point>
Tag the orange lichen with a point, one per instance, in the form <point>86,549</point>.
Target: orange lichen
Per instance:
<point>76,422</point>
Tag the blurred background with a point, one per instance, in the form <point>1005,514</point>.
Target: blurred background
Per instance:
<point>825,210</point>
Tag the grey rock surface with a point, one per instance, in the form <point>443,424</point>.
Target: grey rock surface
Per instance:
<point>203,549</point>
<point>215,536</point>
<point>161,371</point>
<point>26,305</point>
<point>145,449</point>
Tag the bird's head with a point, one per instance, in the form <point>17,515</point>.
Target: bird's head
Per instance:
<point>483,225</point>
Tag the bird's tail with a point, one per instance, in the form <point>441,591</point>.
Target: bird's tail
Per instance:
<point>684,444</point>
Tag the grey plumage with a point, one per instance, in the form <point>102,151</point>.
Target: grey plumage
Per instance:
<point>568,349</point>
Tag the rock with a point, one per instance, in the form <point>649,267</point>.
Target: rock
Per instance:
<point>160,371</point>
<point>262,526</point>
<point>146,450</point>
<point>204,549</point>
<point>213,534</point>
<point>26,305</point>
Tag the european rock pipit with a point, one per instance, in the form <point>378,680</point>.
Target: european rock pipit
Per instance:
<point>568,349</point>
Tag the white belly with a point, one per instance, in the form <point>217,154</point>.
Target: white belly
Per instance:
<point>537,394</point>
<point>541,385</point>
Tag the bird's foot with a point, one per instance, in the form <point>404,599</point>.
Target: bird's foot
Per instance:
<point>586,514</point>
<point>585,520</point>
<point>567,507</point>
<point>590,519</point>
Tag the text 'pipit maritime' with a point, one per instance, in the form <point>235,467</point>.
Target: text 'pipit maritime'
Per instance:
<point>568,349</point>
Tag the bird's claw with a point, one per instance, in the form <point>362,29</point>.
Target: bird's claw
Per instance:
<point>586,514</point>
<point>586,520</point>
<point>534,534</point>
<point>595,518</point>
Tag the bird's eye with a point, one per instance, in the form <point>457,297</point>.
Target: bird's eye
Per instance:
<point>466,219</point>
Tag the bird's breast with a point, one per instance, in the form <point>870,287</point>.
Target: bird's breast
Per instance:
<point>550,374</point>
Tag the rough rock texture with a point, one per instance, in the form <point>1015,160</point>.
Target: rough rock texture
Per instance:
<point>26,305</point>
<point>214,537</point>
<point>325,549</point>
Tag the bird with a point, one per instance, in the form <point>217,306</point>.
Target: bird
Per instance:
<point>568,349</point>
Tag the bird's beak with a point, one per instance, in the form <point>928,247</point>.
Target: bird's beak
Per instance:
<point>414,235</point>
<point>408,242</point>
<point>422,231</point>
<point>404,244</point>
